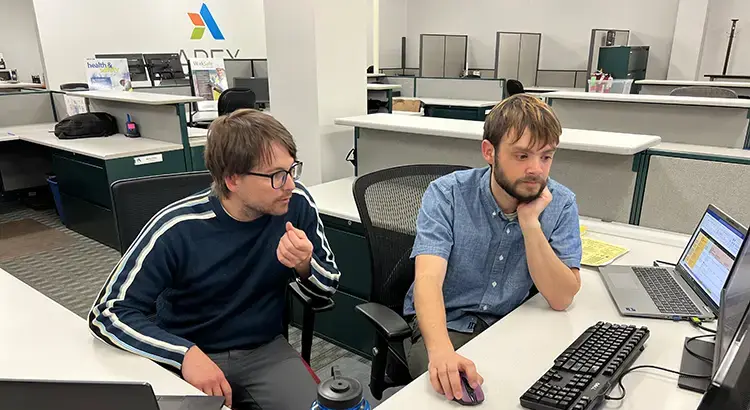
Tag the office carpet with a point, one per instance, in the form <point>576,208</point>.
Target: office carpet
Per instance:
<point>72,268</point>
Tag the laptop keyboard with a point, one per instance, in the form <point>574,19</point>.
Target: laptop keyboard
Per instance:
<point>665,292</point>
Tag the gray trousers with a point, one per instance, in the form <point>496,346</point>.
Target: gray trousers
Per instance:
<point>270,377</point>
<point>417,357</point>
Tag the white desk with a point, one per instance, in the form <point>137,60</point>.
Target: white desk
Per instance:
<point>382,87</point>
<point>596,165</point>
<point>4,85</point>
<point>512,354</point>
<point>544,90</point>
<point>573,139</point>
<point>664,87</point>
<point>106,148</point>
<point>691,149</point>
<point>136,97</point>
<point>719,122</point>
<point>42,340</point>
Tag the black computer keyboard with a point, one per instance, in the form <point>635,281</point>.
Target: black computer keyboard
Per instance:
<point>588,369</point>
<point>667,295</point>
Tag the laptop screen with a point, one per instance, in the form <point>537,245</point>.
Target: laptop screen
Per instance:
<point>711,252</point>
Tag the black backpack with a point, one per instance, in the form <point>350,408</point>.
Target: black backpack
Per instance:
<point>86,125</point>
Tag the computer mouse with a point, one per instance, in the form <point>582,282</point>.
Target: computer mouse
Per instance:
<point>469,396</point>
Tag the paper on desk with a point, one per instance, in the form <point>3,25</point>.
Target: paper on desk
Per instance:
<point>599,253</point>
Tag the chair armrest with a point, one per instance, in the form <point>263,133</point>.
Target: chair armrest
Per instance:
<point>317,304</point>
<point>387,322</point>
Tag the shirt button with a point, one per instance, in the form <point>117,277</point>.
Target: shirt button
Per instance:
<point>494,284</point>
<point>484,307</point>
<point>501,257</point>
<point>494,214</point>
<point>507,230</point>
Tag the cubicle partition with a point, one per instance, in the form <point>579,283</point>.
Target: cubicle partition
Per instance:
<point>85,168</point>
<point>407,84</point>
<point>26,107</point>
<point>561,78</point>
<point>718,122</point>
<point>681,180</point>
<point>183,90</point>
<point>460,88</point>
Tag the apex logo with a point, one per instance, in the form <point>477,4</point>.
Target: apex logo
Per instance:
<point>201,21</point>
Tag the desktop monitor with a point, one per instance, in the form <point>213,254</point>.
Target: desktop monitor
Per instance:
<point>730,386</point>
<point>735,299</point>
<point>136,65</point>
<point>163,67</point>
<point>257,85</point>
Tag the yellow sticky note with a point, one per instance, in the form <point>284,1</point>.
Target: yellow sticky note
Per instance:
<point>599,253</point>
<point>584,228</point>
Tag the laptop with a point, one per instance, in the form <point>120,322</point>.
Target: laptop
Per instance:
<point>84,395</point>
<point>690,289</point>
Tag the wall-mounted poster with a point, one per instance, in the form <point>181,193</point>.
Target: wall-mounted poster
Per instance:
<point>209,81</point>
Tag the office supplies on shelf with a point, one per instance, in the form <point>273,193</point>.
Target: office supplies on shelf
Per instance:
<point>588,369</point>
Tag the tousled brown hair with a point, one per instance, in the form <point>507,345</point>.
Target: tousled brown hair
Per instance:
<point>518,114</point>
<point>239,142</point>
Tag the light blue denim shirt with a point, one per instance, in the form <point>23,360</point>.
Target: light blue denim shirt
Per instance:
<point>487,274</point>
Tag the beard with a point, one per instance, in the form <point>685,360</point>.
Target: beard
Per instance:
<point>513,188</point>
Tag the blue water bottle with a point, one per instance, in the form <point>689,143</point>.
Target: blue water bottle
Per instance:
<point>340,393</point>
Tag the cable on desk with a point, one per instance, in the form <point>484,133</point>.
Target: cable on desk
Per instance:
<point>699,324</point>
<point>648,366</point>
<point>692,352</point>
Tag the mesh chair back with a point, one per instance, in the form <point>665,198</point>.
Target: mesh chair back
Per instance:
<point>514,87</point>
<point>388,202</point>
<point>135,201</point>
<point>234,99</point>
<point>703,91</point>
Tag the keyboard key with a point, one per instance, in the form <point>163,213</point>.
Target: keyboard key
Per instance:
<point>549,401</point>
<point>531,397</point>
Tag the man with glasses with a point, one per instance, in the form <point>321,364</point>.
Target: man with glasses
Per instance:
<point>202,288</point>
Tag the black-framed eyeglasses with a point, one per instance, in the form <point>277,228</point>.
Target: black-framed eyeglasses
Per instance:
<point>278,178</point>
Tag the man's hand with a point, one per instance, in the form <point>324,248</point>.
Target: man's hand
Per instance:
<point>444,369</point>
<point>200,371</point>
<point>295,250</point>
<point>528,213</point>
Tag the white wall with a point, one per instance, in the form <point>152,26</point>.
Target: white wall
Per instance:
<point>392,28</point>
<point>687,44</point>
<point>19,43</point>
<point>73,30</point>
<point>565,27</point>
<point>717,35</point>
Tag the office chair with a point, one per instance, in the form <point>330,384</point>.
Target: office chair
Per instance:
<point>703,91</point>
<point>235,98</point>
<point>135,201</point>
<point>74,87</point>
<point>513,87</point>
<point>388,202</point>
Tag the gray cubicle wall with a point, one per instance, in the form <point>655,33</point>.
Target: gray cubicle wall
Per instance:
<point>561,78</point>
<point>684,124</point>
<point>238,68</point>
<point>260,68</point>
<point>158,122</point>
<point>517,56</point>
<point>26,107</point>
<point>460,88</point>
<point>183,90</point>
<point>679,187</point>
<point>406,83</point>
<point>603,183</point>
